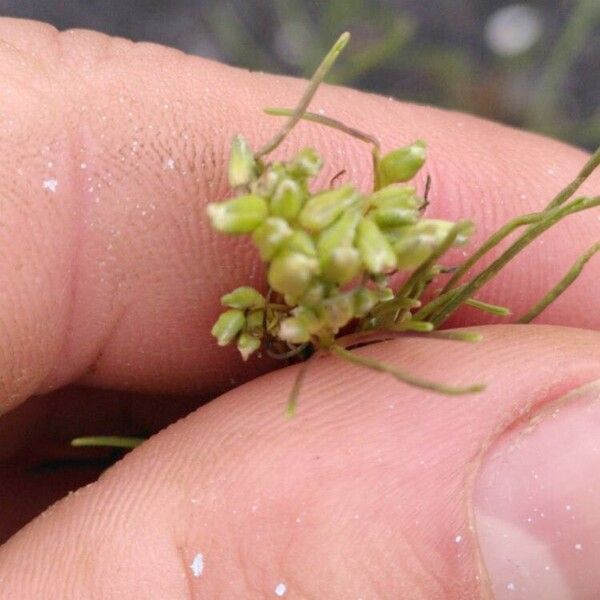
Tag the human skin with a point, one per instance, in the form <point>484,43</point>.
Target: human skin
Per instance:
<point>111,278</point>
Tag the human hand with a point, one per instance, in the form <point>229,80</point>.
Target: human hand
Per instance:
<point>111,279</point>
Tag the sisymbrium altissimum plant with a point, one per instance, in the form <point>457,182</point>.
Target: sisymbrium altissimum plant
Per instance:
<point>330,254</point>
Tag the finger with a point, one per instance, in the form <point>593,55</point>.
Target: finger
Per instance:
<point>111,151</point>
<point>363,494</point>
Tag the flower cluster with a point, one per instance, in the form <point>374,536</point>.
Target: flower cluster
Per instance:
<point>329,254</point>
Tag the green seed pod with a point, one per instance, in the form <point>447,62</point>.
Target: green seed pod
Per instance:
<point>376,252</point>
<point>290,273</point>
<point>394,196</point>
<point>314,294</point>
<point>287,199</point>
<point>242,166</point>
<point>244,297</point>
<point>338,311</point>
<point>341,265</point>
<point>270,236</point>
<point>340,233</point>
<point>228,325</point>
<point>270,179</point>
<point>291,330</point>
<point>255,322</point>
<point>364,300</point>
<point>301,242</point>
<point>401,164</point>
<point>324,208</point>
<point>238,215</point>
<point>394,217</point>
<point>307,318</point>
<point>247,345</point>
<point>307,163</point>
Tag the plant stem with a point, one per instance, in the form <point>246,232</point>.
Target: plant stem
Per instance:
<point>111,441</point>
<point>313,85</point>
<point>375,365</point>
<point>327,121</point>
<point>561,286</point>
<point>551,217</point>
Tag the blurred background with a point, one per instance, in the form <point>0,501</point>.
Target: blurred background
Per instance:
<point>532,64</point>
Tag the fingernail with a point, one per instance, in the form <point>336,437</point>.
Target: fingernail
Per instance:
<point>537,503</point>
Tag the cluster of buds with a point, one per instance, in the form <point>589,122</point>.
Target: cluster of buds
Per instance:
<point>329,255</point>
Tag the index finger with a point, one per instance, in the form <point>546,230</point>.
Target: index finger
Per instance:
<point>111,274</point>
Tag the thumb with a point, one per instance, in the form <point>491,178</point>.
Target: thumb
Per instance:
<point>375,489</point>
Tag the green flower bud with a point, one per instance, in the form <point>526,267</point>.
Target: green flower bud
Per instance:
<point>314,294</point>
<point>307,163</point>
<point>307,318</point>
<point>376,252</point>
<point>301,242</point>
<point>340,233</point>
<point>247,345</point>
<point>238,215</point>
<point>364,300</point>
<point>290,273</point>
<point>324,208</point>
<point>341,265</point>
<point>269,180</point>
<point>243,298</point>
<point>401,164</point>
<point>255,322</point>
<point>292,331</point>
<point>394,217</point>
<point>269,236</point>
<point>287,199</point>
<point>338,311</point>
<point>242,166</point>
<point>393,196</point>
<point>228,325</point>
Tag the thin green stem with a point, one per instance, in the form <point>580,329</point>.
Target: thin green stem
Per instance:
<point>434,304</point>
<point>375,365</point>
<point>490,243</point>
<point>327,121</point>
<point>493,309</point>
<point>561,286</point>
<point>313,85</point>
<point>550,218</point>
<point>292,403</point>
<point>111,441</point>
<point>589,167</point>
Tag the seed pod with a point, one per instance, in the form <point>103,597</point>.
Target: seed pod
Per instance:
<point>238,215</point>
<point>341,265</point>
<point>244,297</point>
<point>307,318</point>
<point>314,294</point>
<point>247,345</point>
<point>270,236</point>
<point>401,164</point>
<point>287,199</point>
<point>307,163</point>
<point>376,252</point>
<point>393,196</point>
<point>255,322</point>
<point>301,242</point>
<point>394,217</point>
<point>364,300</point>
<point>340,233</point>
<point>324,208</point>
<point>292,331</point>
<point>242,166</point>
<point>290,273</point>
<point>228,325</point>
<point>338,311</point>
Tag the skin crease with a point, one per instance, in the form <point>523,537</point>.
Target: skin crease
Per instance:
<point>112,281</point>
